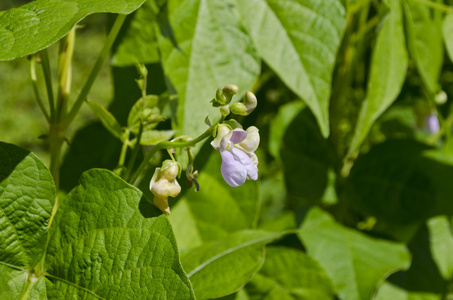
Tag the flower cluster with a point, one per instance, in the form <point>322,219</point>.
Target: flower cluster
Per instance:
<point>237,148</point>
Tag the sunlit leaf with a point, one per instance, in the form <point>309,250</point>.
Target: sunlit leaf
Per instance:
<point>447,29</point>
<point>107,119</point>
<point>36,25</point>
<point>203,48</point>
<point>299,40</point>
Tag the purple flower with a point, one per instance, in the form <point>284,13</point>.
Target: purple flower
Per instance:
<point>237,147</point>
<point>432,123</point>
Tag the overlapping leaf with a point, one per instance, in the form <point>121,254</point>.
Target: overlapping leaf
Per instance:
<point>203,48</point>
<point>299,40</point>
<point>364,262</point>
<point>37,25</point>
<point>388,72</point>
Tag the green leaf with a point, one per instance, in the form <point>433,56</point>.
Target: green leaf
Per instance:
<point>27,196</point>
<point>424,39</point>
<point>290,274</point>
<point>299,40</point>
<point>102,246</point>
<point>149,111</point>
<point>206,216</point>
<point>137,41</point>
<point>355,262</point>
<point>222,267</point>
<point>39,24</point>
<point>203,48</point>
<point>152,137</point>
<point>441,244</point>
<point>422,280</point>
<point>447,29</point>
<point>388,71</point>
<point>107,119</point>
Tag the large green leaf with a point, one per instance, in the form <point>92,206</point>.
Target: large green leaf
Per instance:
<point>27,196</point>
<point>221,267</point>
<point>217,209</point>
<point>447,29</point>
<point>102,246</point>
<point>299,40</point>
<point>290,274</point>
<point>388,71</point>
<point>36,25</point>
<point>355,262</point>
<point>203,48</point>
<point>425,43</point>
<point>137,42</point>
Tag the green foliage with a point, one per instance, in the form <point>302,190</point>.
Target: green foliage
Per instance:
<point>299,41</point>
<point>39,24</point>
<point>365,260</point>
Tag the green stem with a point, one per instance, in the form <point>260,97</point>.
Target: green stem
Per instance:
<point>124,150</point>
<point>48,78</point>
<point>34,82</point>
<point>166,145</point>
<point>64,72</point>
<point>96,69</point>
<point>131,163</point>
<point>439,6</point>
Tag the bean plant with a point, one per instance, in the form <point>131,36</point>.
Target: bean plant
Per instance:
<point>253,149</point>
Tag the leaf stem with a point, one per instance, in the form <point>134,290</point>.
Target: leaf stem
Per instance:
<point>166,145</point>
<point>34,82</point>
<point>64,72</point>
<point>48,78</point>
<point>438,6</point>
<point>95,70</point>
<point>130,165</point>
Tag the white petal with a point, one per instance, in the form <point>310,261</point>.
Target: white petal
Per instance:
<point>251,142</point>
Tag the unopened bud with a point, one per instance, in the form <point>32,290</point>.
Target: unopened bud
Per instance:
<point>250,101</point>
<point>239,108</point>
<point>225,110</point>
<point>230,89</point>
<point>164,185</point>
<point>441,98</point>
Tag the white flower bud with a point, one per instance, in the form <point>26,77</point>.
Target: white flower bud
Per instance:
<point>164,185</point>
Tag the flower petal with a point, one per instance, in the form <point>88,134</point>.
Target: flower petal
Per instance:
<point>252,141</point>
<point>247,163</point>
<point>232,170</point>
<point>238,135</point>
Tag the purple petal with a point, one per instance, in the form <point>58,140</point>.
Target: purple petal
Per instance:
<point>432,123</point>
<point>238,135</point>
<point>247,163</point>
<point>232,170</point>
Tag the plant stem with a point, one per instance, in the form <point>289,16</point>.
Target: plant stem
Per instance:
<point>438,6</point>
<point>48,78</point>
<point>95,70</point>
<point>166,145</point>
<point>34,82</point>
<point>64,72</point>
<point>130,165</point>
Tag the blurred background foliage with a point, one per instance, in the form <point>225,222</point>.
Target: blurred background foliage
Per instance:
<point>394,191</point>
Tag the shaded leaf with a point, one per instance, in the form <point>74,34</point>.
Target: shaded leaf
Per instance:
<point>137,42</point>
<point>220,268</point>
<point>387,75</point>
<point>152,137</point>
<point>37,25</point>
<point>441,244</point>
<point>299,40</point>
<point>27,196</point>
<point>290,274</point>
<point>203,48</point>
<point>364,262</point>
<point>107,119</point>
<point>102,246</point>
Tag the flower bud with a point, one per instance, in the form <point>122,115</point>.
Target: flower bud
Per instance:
<point>230,89</point>
<point>239,108</point>
<point>164,185</point>
<point>225,110</point>
<point>250,101</point>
